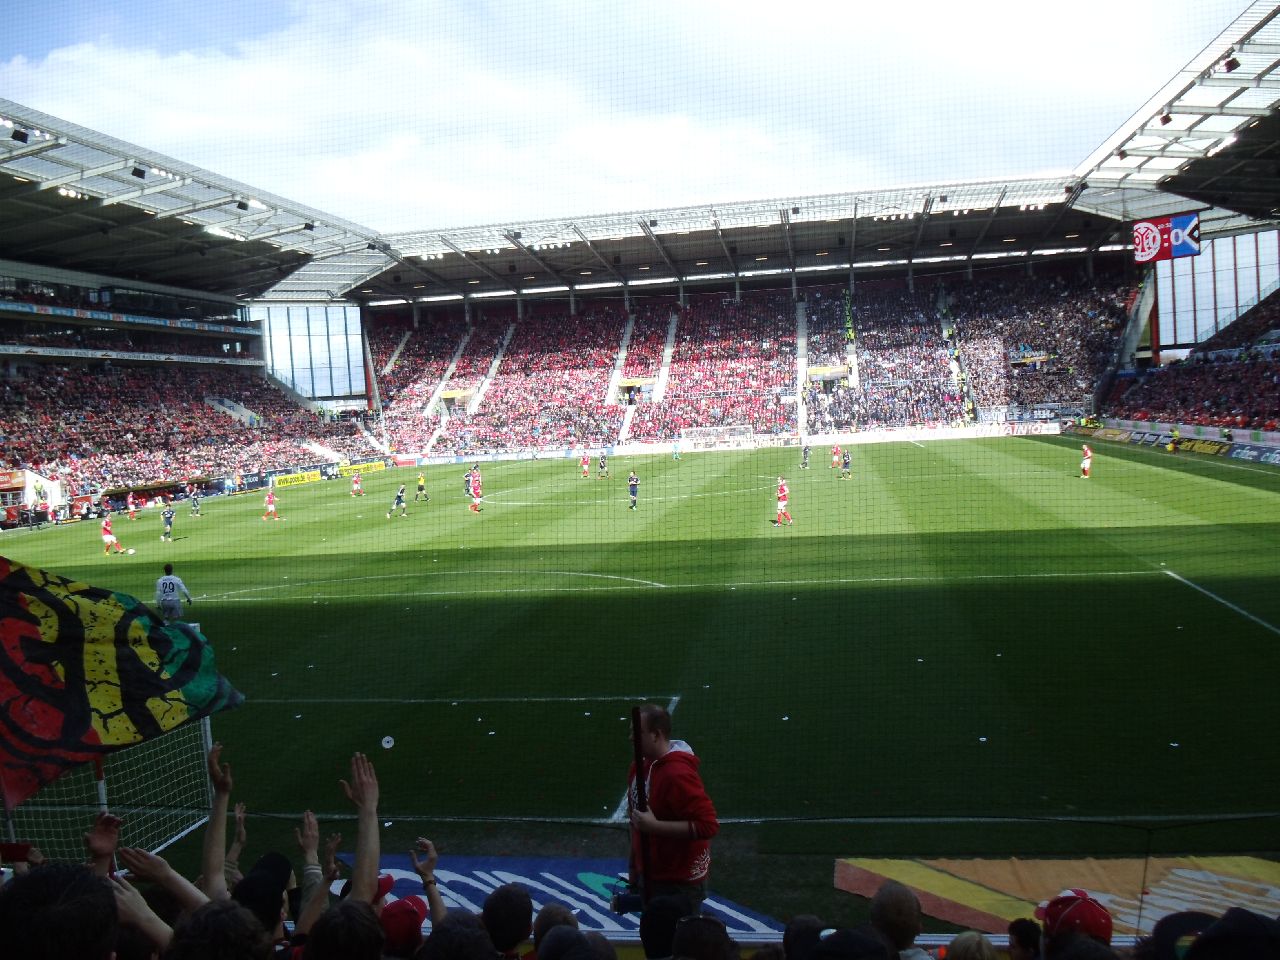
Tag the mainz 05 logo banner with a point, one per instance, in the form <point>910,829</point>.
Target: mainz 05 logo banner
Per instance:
<point>1166,238</point>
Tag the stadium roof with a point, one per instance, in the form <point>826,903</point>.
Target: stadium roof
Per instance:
<point>1207,141</point>
<point>77,199</point>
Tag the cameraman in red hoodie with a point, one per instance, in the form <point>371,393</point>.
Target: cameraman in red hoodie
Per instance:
<point>671,838</point>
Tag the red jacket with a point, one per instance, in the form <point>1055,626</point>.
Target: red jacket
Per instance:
<point>675,792</point>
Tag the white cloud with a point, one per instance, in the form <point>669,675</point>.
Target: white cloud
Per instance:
<point>407,115</point>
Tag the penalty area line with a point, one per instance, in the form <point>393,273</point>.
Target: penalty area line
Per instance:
<point>452,701</point>
<point>619,814</point>
<point>1226,603</point>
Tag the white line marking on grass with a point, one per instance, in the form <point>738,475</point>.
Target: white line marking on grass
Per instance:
<point>920,445</point>
<point>603,698</point>
<point>619,814</point>
<point>633,583</point>
<point>1226,603</point>
<point>438,573</point>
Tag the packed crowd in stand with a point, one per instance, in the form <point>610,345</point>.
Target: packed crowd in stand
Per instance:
<point>904,370</point>
<point>418,369</point>
<point>648,338</point>
<point>126,903</point>
<point>1030,340</point>
<point>828,338</point>
<point>119,426</point>
<point>1222,393</point>
<point>732,364</point>
<point>550,388</point>
<point>1016,340</point>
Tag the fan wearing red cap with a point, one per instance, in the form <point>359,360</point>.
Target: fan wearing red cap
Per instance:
<point>1072,914</point>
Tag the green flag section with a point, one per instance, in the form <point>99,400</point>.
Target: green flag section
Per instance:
<point>988,894</point>
<point>84,671</point>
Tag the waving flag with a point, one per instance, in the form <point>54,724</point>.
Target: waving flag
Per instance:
<point>84,671</point>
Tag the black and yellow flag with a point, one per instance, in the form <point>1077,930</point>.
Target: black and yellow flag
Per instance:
<point>84,671</point>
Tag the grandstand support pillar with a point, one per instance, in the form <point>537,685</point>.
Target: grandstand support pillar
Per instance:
<point>466,310</point>
<point>681,289</point>
<point>626,299</point>
<point>795,288</point>
<point>417,314</point>
<point>737,290</point>
<point>1088,264</point>
<point>573,303</point>
<point>519,307</point>
<point>1030,271</point>
<point>911,277</point>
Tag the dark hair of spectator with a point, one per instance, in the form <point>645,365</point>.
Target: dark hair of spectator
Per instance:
<point>220,930</point>
<point>1025,932</point>
<point>456,941</point>
<point>59,911</point>
<point>550,916</point>
<point>348,930</point>
<point>508,916</point>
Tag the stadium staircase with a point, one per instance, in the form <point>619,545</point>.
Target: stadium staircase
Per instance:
<point>478,397</point>
<point>448,372</point>
<point>624,432</point>
<point>802,363</point>
<point>664,374</point>
<point>615,378</point>
<point>321,451</point>
<point>233,409</point>
<point>395,354</point>
<point>1140,317</point>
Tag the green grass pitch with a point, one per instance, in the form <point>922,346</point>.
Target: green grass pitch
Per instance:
<point>962,633</point>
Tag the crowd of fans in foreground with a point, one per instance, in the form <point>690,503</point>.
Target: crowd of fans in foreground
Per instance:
<point>89,911</point>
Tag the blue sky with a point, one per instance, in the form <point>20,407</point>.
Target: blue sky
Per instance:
<point>411,114</point>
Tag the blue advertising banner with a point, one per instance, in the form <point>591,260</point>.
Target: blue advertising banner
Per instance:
<point>584,886</point>
<point>1255,454</point>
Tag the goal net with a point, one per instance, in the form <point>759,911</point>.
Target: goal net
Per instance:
<point>160,789</point>
<point>731,437</point>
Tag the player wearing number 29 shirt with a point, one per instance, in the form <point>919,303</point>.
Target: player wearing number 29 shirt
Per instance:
<point>1086,460</point>
<point>169,593</point>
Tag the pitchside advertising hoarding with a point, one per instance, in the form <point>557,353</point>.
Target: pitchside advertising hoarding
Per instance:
<point>1166,238</point>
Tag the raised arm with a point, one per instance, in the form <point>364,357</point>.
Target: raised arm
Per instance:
<point>215,834</point>
<point>148,866</point>
<point>362,791</point>
<point>426,869</point>
<point>100,842</point>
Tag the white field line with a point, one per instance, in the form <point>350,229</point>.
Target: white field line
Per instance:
<point>629,583</point>
<point>1226,603</point>
<point>460,701</point>
<point>619,814</point>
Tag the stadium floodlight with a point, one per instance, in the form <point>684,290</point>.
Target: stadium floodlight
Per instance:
<point>139,172</point>
<point>1165,119</point>
<point>1231,63</point>
<point>20,135</point>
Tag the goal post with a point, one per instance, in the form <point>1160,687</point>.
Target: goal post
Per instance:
<point>160,789</point>
<point>728,437</point>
